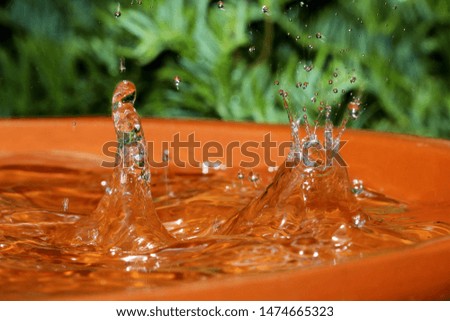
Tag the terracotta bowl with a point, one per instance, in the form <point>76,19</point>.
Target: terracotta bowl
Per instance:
<point>414,170</point>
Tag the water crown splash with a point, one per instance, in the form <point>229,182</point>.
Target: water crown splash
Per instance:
<point>312,183</point>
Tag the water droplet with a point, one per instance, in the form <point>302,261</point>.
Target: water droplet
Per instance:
<point>283,93</point>
<point>252,49</point>
<point>302,4</point>
<point>305,85</point>
<point>122,67</point>
<point>335,90</point>
<point>353,80</point>
<point>205,168</point>
<point>177,82</point>
<point>335,74</point>
<point>304,109</point>
<point>318,35</point>
<point>313,99</point>
<point>117,14</point>
<point>265,9</point>
<point>253,177</point>
<point>349,29</point>
<point>276,82</point>
<point>297,38</point>
<point>220,5</point>
<point>298,84</point>
<point>308,68</point>
<point>343,91</point>
<point>359,220</point>
<point>165,156</point>
<point>330,82</point>
<point>358,186</point>
<point>240,175</point>
<point>65,204</point>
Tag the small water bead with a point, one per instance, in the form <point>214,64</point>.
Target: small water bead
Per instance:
<point>265,9</point>
<point>318,35</point>
<point>335,90</point>
<point>253,177</point>
<point>252,49</point>
<point>354,108</point>
<point>240,175</point>
<point>359,220</point>
<point>122,67</point>
<point>276,82</point>
<point>353,79</point>
<point>304,109</point>
<point>283,93</point>
<point>117,14</point>
<point>313,99</point>
<point>330,82</point>
<point>357,186</point>
<point>308,68</point>
<point>65,204</point>
<point>177,82</point>
<point>335,74</point>
<point>165,156</point>
<point>220,5</point>
<point>298,84</point>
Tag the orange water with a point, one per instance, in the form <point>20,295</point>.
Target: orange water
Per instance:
<point>43,206</point>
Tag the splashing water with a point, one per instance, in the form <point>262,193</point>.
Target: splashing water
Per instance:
<point>159,230</point>
<point>126,219</point>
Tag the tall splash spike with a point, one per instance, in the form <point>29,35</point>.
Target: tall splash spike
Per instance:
<point>125,219</point>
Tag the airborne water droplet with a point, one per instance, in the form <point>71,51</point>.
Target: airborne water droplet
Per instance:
<point>65,204</point>
<point>177,81</point>
<point>122,67</point>
<point>308,68</point>
<point>117,14</point>
<point>354,109</point>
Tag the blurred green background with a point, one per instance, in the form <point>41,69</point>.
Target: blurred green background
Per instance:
<point>63,58</point>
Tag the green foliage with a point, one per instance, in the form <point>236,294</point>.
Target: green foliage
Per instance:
<point>63,58</point>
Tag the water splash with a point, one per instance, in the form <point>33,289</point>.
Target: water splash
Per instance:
<point>311,185</point>
<point>125,219</point>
